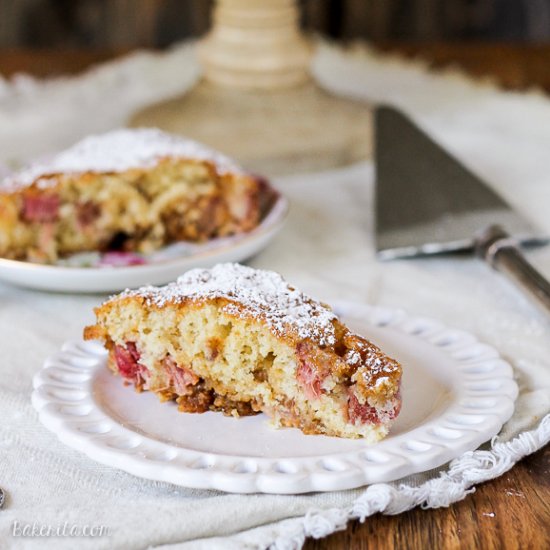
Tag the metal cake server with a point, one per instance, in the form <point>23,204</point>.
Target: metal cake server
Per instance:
<point>428,203</point>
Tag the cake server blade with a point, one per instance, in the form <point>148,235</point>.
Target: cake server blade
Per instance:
<point>427,202</point>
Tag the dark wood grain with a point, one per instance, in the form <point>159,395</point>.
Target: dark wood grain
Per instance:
<point>512,66</point>
<point>48,63</point>
<point>512,511</point>
<point>132,23</point>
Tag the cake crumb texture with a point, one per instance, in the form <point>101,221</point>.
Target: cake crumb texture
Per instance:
<point>243,341</point>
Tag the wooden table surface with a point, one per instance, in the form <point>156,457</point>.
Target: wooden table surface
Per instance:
<point>512,511</point>
<point>512,66</point>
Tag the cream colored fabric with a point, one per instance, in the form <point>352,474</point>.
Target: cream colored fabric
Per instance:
<point>326,248</point>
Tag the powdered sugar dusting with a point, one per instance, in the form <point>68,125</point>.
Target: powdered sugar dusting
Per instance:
<point>118,151</point>
<point>380,370</point>
<point>262,294</point>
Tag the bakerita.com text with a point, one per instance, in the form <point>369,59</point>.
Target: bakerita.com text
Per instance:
<point>66,529</point>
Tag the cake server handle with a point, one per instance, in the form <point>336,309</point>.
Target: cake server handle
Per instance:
<point>503,253</point>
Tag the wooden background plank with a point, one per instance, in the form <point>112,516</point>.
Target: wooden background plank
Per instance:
<point>514,66</point>
<point>154,23</point>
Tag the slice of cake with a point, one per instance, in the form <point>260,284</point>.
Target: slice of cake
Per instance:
<point>127,190</point>
<point>242,341</point>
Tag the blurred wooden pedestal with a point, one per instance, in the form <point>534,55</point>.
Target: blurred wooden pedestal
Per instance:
<point>279,132</point>
<point>257,101</point>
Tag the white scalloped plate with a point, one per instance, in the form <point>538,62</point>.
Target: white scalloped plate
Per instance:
<point>457,393</point>
<point>163,266</point>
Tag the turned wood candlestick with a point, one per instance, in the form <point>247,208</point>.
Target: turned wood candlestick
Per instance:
<point>257,100</point>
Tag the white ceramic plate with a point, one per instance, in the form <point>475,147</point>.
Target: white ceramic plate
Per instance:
<point>163,266</point>
<point>457,393</point>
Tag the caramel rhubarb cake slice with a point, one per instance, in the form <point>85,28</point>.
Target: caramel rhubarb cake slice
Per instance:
<point>127,190</point>
<point>242,341</point>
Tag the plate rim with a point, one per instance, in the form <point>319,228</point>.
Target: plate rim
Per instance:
<point>103,439</point>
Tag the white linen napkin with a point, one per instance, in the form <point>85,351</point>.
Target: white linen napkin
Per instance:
<point>326,248</point>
